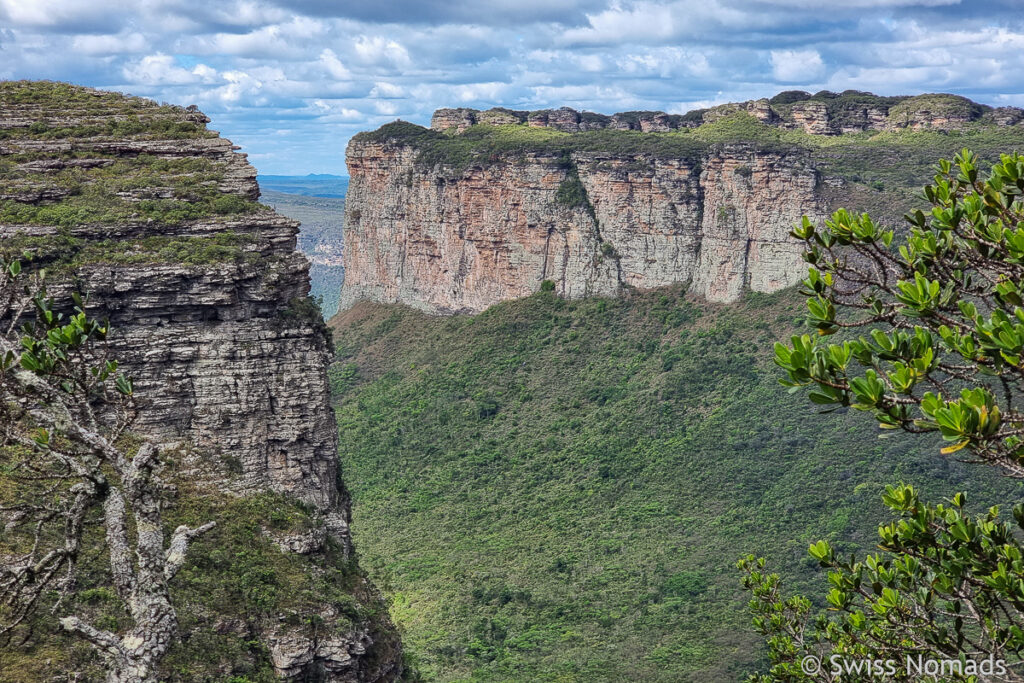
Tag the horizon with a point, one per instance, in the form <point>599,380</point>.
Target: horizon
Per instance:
<point>291,82</point>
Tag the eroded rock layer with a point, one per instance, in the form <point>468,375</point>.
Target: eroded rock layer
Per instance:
<point>824,113</point>
<point>590,223</point>
<point>153,216</point>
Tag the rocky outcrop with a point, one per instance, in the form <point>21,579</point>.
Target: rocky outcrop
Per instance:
<point>457,227</point>
<point>208,303</point>
<point>824,113</point>
<point>812,117</point>
<point>591,224</point>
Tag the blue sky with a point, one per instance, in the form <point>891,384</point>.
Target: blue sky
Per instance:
<point>292,81</point>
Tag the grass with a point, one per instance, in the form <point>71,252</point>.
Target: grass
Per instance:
<point>93,187</point>
<point>484,144</point>
<point>557,490</point>
<point>116,115</point>
<point>66,253</point>
<point>100,208</point>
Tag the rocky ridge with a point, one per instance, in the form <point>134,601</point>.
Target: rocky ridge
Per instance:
<point>488,205</point>
<point>154,217</point>
<point>824,113</point>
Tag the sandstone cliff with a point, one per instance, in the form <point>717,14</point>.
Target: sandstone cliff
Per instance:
<point>153,216</point>
<point>590,222</point>
<point>824,113</point>
<point>487,205</point>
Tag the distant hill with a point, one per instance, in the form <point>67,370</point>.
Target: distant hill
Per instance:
<point>320,238</point>
<point>311,185</point>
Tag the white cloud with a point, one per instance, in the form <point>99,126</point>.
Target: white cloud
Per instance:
<point>46,13</point>
<point>161,69</point>
<point>386,90</point>
<point>590,63</point>
<point>797,66</point>
<point>124,43</point>
<point>666,62</point>
<point>239,85</point>
<point>380,51</point>
<point>333,112</point>
<point>642,22</point>
<point>333,65</point>
<point>480,92</point>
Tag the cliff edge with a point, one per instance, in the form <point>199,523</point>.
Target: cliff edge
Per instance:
<point>154,217</point>
<point>489,205</point>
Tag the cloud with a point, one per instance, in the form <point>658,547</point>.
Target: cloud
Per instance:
<point>83,16</point>
<point>333,65</point>
<point>380,51</point>
<point>386,91</point>
<point>642,22</point>
<point>123,43</point>
<point>291,80</point>
<point>796,66</point>
<point>435,12</point>
<point>161,69</point>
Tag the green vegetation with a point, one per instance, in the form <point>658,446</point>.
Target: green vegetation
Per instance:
<point>87,184</point>
<point>115,115</point>
<point>572,194</point>
<point>64,95</point>
<point>120,190</point>
<point>844,109</point>
<point>235,582</point>
<point>937,105</point>
<point>99,208</point>
<point>940,354</point>
<point>130,126</point>
<point>556,490</point>
<point>64,252</point>
<point>484,144</point>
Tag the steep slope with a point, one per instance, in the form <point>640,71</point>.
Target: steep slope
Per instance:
<point>154,217</point>
<point>558,490</point>
<point>592,222</point>
<point>486,206</point>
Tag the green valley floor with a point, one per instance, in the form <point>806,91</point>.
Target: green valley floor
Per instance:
<point>558,490</point>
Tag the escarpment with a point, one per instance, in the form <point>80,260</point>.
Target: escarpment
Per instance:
<point>823,113</point>
<point>488,205</point>
<point>591,222</point>
<point>154,217</point>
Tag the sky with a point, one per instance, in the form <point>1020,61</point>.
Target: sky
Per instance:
<point>292,81</point>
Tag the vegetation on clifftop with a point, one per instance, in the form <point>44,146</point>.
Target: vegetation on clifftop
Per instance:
<point>57,166</point>
<point>96,113</point>
<point>896,162</point>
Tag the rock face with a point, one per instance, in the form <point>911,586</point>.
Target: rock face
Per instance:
<point>824,113</point>
<point>211,317</point>
<point>449,227</point>
<point>449,243</point>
